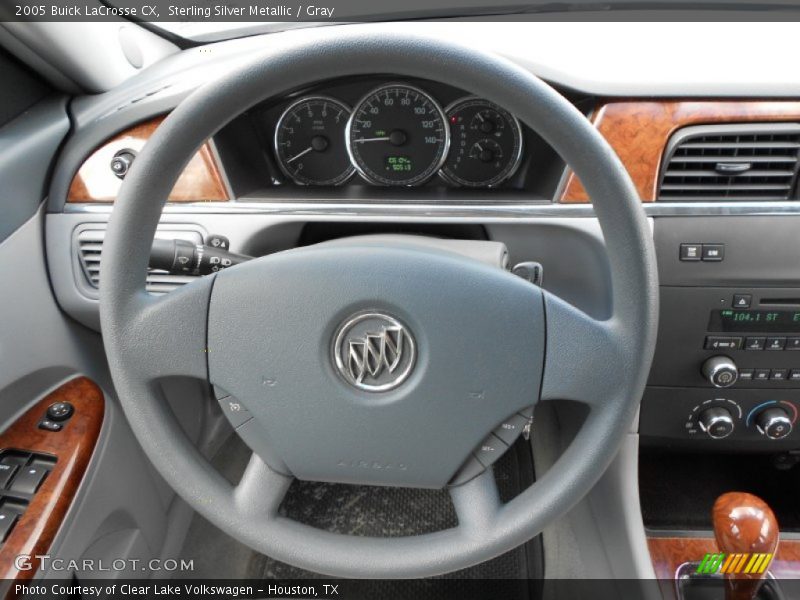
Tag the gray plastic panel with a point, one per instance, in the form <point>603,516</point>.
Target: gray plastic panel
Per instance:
<point>571,250</point>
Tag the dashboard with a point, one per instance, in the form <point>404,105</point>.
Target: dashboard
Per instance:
<point>415,140</point>
<point>387,132</point>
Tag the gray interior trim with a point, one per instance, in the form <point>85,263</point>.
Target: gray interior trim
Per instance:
<point>28,145</point>
<point>43,68</point>
<point>93,54</point>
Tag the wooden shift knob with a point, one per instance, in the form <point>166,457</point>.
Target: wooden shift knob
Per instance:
<point>744,524</point>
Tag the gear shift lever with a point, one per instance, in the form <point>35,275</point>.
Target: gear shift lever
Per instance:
<point>744,523</point>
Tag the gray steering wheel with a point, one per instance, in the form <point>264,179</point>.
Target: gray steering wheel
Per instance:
<point>264,332</point>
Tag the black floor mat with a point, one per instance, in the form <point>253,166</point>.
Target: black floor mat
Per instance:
<point>370,511</point>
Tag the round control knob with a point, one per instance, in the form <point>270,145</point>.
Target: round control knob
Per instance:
<point>121,163</point>
<point>774,423</point>
<point>720,371</point>
<point>716,422</point>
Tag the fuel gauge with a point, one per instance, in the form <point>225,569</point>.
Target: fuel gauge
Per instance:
<point>486,144</point>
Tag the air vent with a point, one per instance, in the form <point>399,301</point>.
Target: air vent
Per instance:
<point>755,162</point>
<point>90,247</point>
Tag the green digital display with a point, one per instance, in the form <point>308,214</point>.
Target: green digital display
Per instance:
<point>766,321</point>
<point>398,163</point>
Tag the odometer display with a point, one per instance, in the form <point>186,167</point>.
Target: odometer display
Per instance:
<point>310,144</point>
<point>397,135</point>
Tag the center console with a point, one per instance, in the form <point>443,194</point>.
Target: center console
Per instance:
<point>720,410</point>
<point>726,373</point>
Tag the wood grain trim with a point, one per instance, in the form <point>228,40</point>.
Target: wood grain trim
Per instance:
<point>638,133</point>
<point>72,446</point>
<point>201,180</point>
<point>668,553</point>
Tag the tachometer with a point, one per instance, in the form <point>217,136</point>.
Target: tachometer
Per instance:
<point>310,141</point>
<point>397,135</point>
<point>486,144</point>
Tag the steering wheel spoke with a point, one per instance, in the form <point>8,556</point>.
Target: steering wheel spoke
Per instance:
<point>261,490</point>
<point>477,503</point>
<point>172,328</point>
<point>582,357</point>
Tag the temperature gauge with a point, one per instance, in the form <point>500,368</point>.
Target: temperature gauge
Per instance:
<point>486,144</point>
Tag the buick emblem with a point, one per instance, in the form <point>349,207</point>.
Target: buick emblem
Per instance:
<point>374,352</point>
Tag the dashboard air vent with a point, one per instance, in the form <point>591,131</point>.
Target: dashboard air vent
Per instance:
<point>90,247</point>
<point>754,162</point>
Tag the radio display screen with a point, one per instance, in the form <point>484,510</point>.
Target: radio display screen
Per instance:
<point>766,321</point>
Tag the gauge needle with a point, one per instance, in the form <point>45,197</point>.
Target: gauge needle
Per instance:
<point>375,139</point>
<point>296,156</point>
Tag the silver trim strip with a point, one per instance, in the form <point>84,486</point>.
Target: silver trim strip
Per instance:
<point>450,211</point>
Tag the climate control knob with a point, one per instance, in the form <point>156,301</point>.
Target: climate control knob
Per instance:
<point>716,422</point>
<point>774,422</point>
<point>720,371</point>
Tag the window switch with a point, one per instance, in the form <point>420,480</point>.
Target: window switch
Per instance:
<point>15,459</point>
<point>49,425</point>
<point>28,479</point>
<point>7,521</point>
<point>6,472</point>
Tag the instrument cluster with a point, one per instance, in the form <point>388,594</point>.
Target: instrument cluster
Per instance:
<point>397,134</point>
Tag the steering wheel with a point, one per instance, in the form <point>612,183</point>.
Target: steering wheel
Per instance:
<point>474,344</point>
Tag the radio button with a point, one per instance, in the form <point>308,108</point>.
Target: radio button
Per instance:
<point>691,252</point>
<point>775,343</point>
<point>742,300</point>
<point>716,342</point>
<point>713,252</point>
<point>779,374</point>
<point>747,374</point>
<point>761,375</point>
<point>755,343</point>
<point>793,343</point>
<point>720,371</point>
<point>794,375</point>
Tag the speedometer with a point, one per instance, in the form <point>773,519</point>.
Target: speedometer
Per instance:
<point>397,135</point>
